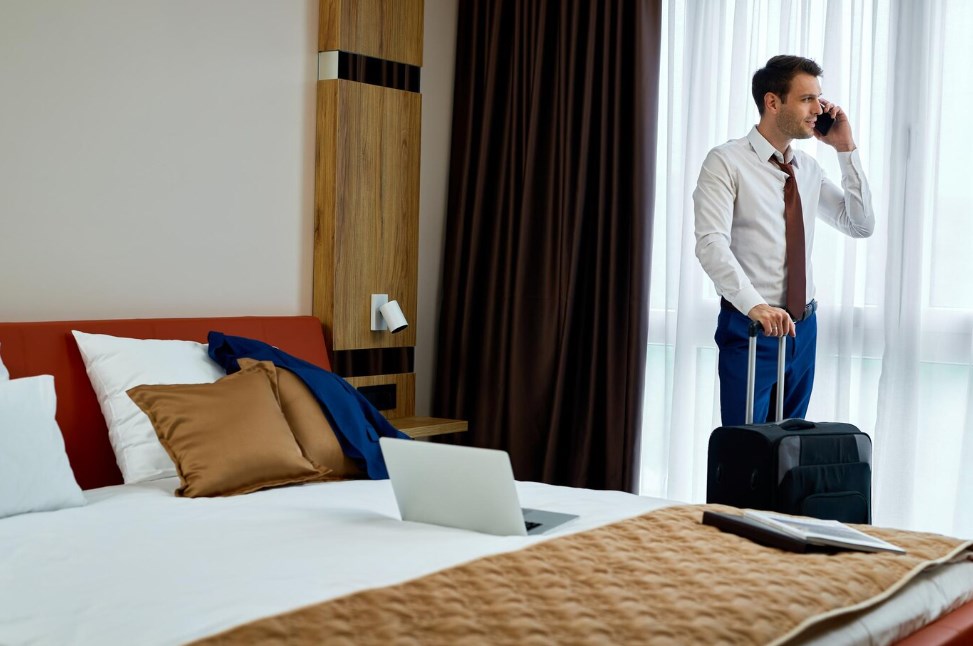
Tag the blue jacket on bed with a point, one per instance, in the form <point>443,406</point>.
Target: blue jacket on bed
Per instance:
<point>356,423</point>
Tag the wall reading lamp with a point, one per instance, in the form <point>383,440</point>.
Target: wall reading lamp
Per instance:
<point>387,315</point>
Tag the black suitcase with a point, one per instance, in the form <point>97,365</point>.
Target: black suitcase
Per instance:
<point>794,466</point>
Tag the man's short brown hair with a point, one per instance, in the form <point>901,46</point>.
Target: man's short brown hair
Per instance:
<point>777,74</point>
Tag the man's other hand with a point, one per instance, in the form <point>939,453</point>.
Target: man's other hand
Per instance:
<point>775,321</point>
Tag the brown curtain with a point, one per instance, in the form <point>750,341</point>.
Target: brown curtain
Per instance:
<point>543,323</point>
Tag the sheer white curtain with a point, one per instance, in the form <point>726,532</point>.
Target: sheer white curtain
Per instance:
<point>896,310</point>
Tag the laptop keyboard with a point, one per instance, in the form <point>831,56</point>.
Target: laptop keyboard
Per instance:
<point>531,525</point>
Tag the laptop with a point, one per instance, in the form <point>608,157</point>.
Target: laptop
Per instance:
<point>461,486</point>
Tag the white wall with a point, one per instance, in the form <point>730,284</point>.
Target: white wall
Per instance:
<point>157,159</point>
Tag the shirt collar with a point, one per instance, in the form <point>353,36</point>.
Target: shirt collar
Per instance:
<point>765,149</point>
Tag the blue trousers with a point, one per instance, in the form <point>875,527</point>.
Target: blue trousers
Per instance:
<point>732,340</point>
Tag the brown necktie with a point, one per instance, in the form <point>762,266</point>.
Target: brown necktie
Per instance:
<point>794,236</point>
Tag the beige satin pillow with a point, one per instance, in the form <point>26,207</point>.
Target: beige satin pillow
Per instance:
<point>228,437</point>
<point>310,426</point>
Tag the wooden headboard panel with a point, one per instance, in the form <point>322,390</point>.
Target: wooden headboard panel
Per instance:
<point>48,348</point>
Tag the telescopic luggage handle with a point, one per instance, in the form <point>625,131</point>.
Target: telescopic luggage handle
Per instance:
<point>756,328</point>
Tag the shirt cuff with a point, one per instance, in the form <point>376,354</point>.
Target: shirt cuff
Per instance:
<point>850,159</point>
<point>746,299</point>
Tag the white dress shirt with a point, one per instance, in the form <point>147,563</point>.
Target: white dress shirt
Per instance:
<point>739,205</point>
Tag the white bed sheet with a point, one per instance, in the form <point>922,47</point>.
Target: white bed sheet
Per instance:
<point>138,565</point>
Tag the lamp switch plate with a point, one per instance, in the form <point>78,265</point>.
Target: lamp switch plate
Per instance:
<point>378,321</point>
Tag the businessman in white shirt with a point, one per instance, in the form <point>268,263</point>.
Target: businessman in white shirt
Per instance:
<point>756,203</point>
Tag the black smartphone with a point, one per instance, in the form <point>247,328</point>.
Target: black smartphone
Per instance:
<point>824,123</point>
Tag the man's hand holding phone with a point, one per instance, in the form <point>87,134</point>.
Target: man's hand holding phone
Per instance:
<point>832,127</point>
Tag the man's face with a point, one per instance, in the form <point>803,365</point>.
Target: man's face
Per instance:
<point>800,109</point>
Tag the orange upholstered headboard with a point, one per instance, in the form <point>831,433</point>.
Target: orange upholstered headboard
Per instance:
<point>48,348</point>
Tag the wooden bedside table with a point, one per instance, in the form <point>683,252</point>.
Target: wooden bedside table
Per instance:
<point>425,426</point>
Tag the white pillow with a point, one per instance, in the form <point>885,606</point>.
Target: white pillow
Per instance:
<point>114,365</point>
<point>35,474</point>
<point>4,375</point>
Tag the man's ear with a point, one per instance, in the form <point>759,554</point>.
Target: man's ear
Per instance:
<point>772,102</point>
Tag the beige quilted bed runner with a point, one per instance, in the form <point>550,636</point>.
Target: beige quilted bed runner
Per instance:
<point>661,578</point>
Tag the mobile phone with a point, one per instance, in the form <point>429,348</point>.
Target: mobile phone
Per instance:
<point>824,123</point>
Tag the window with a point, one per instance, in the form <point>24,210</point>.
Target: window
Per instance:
<point>896,310</point>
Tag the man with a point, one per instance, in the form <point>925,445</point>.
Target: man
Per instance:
<point>757,256</point>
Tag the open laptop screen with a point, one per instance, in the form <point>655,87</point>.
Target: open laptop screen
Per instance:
<point>459,486</point>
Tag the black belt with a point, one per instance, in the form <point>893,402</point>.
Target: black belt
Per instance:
<point>809,309</point>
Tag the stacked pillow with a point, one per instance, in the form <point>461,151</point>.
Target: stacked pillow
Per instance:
<point>228,437</point>
<point>35,474</point>
<point>115,364</point>
<point>310,425</point>
<point>171,410</point>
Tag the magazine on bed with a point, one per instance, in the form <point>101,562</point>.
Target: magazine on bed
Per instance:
<point>831,533</point>
<point>796,534</point>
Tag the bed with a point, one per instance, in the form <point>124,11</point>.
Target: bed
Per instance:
<point>329,562</point>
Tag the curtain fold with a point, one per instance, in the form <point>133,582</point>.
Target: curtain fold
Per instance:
<point>543,322</point>
<point>913,96</point>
